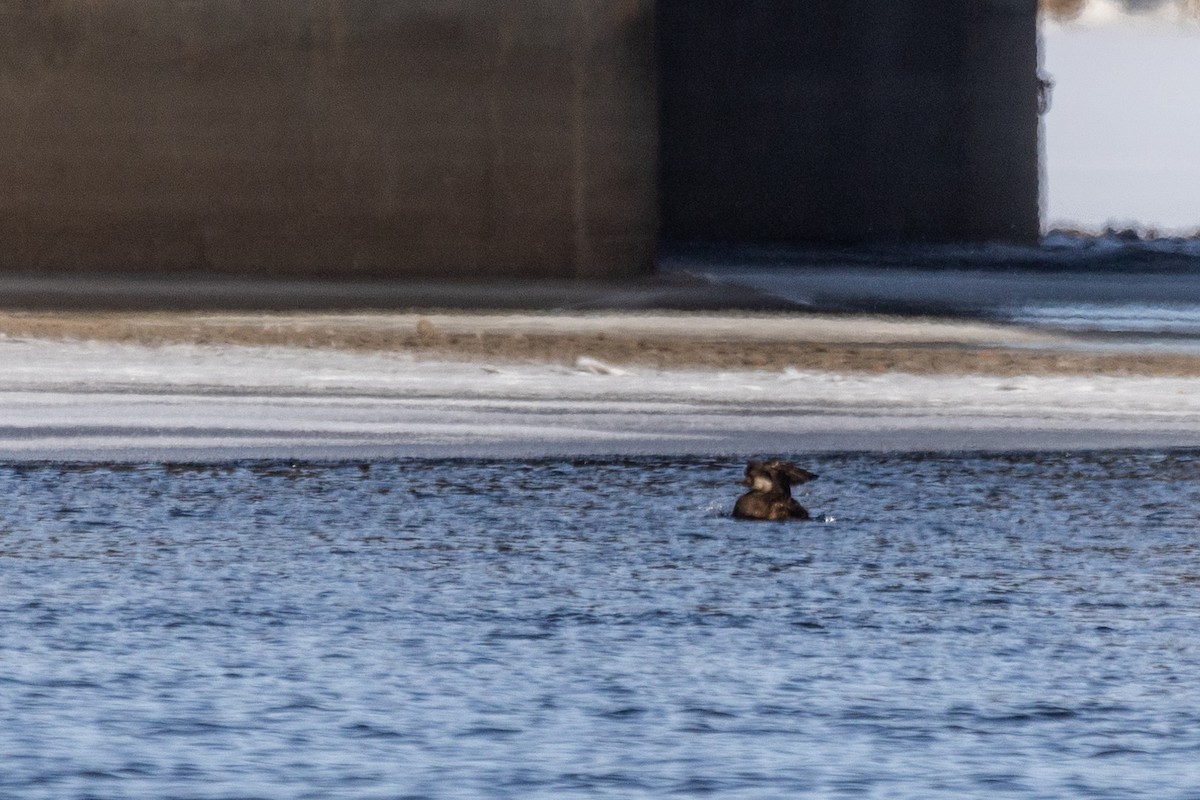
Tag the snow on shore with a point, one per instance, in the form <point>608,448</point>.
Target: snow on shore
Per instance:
<point>87,401</point>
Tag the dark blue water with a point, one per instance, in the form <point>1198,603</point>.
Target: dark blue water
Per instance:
<point>959,626</point>
<point>1113,289</point>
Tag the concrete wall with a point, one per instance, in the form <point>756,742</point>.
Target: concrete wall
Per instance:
<point>478,138</point>
<point>863,120</point>
<point>328,137</point>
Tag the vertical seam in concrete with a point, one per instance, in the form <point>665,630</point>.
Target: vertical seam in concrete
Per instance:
<point>579,54</point>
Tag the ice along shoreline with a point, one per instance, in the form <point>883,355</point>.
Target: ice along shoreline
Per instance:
<point>90,400</point>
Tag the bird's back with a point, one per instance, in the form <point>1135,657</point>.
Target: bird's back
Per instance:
<point>768,506</point>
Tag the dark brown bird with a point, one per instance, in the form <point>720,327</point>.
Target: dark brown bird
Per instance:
<point>770,495</point>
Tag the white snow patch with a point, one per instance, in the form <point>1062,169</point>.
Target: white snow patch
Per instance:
<point>595,366</point>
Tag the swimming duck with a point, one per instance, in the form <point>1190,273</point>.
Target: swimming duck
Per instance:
<point>770,495</point>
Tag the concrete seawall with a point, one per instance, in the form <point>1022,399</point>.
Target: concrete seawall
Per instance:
<point>866,121</point>
<point>469,139</point>
<point>363,138</point>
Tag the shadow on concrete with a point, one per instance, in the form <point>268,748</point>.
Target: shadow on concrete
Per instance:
<point>669,292</point>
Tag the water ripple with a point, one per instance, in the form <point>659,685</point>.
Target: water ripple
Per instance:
<point>959,626</point>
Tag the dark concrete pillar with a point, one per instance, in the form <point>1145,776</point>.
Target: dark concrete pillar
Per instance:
<point>1002,198</point>
<point>861,121</point>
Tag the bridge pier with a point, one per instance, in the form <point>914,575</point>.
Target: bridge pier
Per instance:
<point>863,121</point>
<point>357,138</point>
<point>466,139</point>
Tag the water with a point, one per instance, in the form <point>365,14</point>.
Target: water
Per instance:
<point>1136,322</point>
<point>1113,290</point>
<point>956,626</point>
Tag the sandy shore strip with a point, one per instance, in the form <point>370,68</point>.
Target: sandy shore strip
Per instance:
<point>721,341</point>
